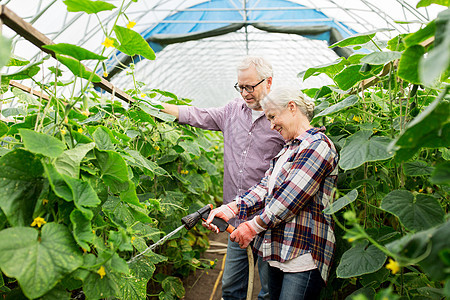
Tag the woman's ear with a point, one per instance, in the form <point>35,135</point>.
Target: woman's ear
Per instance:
<point>292,106</point>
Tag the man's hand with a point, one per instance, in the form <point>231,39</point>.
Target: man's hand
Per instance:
<point>225,212</point>
<point>246,232</point>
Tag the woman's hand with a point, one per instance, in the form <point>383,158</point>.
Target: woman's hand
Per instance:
<point>225,212</point>
<point>246,232</point>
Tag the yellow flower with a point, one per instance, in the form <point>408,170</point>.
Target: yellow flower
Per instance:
<point>143,95</point>
<point>132,239</point>
<point>84,250</point>
<point>63,132</point>
<point>80,130</point>
<point>376,169</point>
<point>393,266</point>
<point>352,239</point>
<point>108,43</point>
<point>101,272</point>
<point>131,24</point>
<point>38,222</point>
<point>421,190</point>
<point>216,147</point>
<point>157,148</point>
<point>211,263</point>
<point>105,74</point>
<point>93,231</point>
<point>85,113</point>
<point>44,201</point>
<point>66,120</point>
<point>356,119</point>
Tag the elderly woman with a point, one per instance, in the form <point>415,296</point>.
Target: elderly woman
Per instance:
<point>291,233</point>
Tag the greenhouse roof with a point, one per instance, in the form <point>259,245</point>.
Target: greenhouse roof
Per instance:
<point>198,43</point>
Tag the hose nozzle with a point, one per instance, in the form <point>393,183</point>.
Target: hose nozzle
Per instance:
<point>190,220</point>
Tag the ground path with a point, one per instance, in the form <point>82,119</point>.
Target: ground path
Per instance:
<point>200,286</point>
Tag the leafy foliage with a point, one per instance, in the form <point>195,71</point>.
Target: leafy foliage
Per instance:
<point>393,142</point>
<point>86,185</point>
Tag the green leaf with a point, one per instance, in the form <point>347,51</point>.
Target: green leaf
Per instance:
<point>102,139</point>
<point>68,163</point>
<point>15,61</point>
<point>173,286</point>
<point>58,184</point>
<point>412,246</point>
<point>25,97</point>
<point>3,128</point>
<point>351,75</point>
<point>5,51</point>
<point>119,265</point>
<point>435,66</point>
<point>26,73</point>
<point>433,264</point>
<point>82,229</point>
<point>132,43</point>
<point>129,195</point>
<point>420,35</point>
<point>417,168</point>
<point>88,6</point>
<point>329,69</point>
<point>114,169</point>
<point>430,119</point>
<point>347,102</point>
<point>408,67</point>
<point>357,39</point>
<point>21,183</point>
<point>133,288</point>
<point>143,267</point>
<point>149,167</point>
<point>41,143</point>
<point>38,262</point>
<point>190,147</point>
<point>424,3</point>
<point>77,68</point>
<point>361,147</point>
<point>74,51</point>
<point>83,193</point>
<point>416,212</point>
<point>360,260</point>
<point>381,58</point>
<point>14,111</point>
<point>441,174</point>
<point>101,288</point>
<point>341,202</point>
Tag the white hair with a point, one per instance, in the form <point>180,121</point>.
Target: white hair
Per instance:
<point>262,66</point>
<point>280,97</point>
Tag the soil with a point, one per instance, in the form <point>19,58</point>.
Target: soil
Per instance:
<point>200,285</point>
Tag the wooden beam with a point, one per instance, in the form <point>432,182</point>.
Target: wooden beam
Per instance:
<point>28,90</point>
<point>27,31</point>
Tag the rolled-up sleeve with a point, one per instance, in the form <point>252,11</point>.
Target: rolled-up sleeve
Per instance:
<point>310,166</point>
<point>253,200</point>
<point>205,118</point>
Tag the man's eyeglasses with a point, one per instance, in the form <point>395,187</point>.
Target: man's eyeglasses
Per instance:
<point>248,88</point>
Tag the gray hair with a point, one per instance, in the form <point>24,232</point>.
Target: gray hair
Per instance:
<point>279,97</point>
<point>262,66</point>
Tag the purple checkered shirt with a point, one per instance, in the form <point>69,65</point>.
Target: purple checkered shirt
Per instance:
<point>248,147</point>
<point>293,212</point>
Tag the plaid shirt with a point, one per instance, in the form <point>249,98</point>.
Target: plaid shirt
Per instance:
<point>293,212</point>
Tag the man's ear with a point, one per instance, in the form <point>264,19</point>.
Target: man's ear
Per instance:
<point>269,82</point>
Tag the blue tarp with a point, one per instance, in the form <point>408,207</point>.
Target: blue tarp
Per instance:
<point>285,14</point>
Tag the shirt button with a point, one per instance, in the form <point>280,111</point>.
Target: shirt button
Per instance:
<point>240,171</point>
<point>250,133</point>
<point>245,151</point>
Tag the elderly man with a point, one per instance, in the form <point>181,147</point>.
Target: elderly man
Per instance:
<point>249,145</point>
